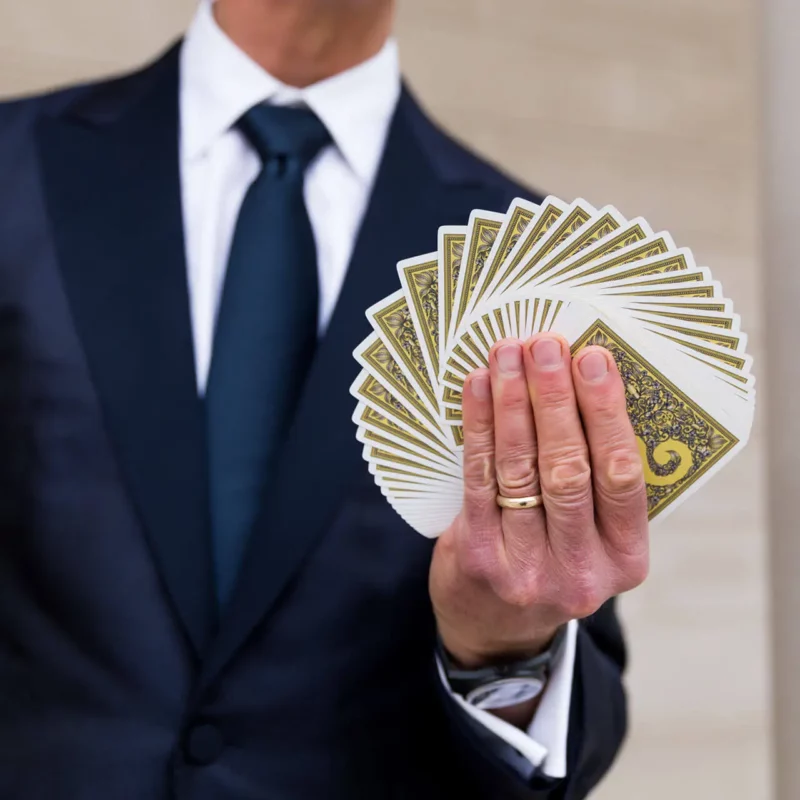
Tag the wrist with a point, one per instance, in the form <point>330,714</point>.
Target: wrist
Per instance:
<point>470,655</point>
<point>502,677</point>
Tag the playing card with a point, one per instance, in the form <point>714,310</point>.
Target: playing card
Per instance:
<point>604,230</point>
<point>684,432</point>
<point>392,321</point>
<point>370,391</point>
<point>450,256</point>
<point>592,276</point>
<point>480,239</point>
<point>371,419</point>
<point>406,464</point>
<point>419,279</point>
<point>367,434</point>
<point>515,223</point>
<point>376,359</point>
<point>551,210</point>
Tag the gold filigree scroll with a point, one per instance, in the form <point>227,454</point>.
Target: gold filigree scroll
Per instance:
<point>678,441</point>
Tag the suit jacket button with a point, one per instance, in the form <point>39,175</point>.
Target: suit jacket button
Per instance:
<point>203,744</point>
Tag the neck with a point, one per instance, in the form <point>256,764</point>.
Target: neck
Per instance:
<point>301,42</point>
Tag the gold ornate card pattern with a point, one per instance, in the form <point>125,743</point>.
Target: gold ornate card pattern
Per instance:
<point>398,327</point>
<point>519,221</point>
<point>382,361</point>
<point>374,438</point>
<point>547,217</point>
<point>422,281</point>
<point>692,276</point>
<point>497,314</point>
<point>454,380</point>
<point>671,263</point>
<point>481,243</point>
<point>450,395</point>
<point>734,376</point>
<point>626,239</point>
<point>719,339</point>
<point>588,235</point>
<point>567,226</point>
<point>453,246</point>
<point>729,359</point>
<point>713,308</point>
<point>678,441</point>
<point>393,458</point>
<point>701,292</point>
<point>373,392</point>
<point>460,353</point>
<point>726,323</point>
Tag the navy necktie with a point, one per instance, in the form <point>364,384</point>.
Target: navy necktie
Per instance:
<point>266,329</point>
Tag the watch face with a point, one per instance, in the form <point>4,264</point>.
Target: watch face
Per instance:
<point>505,693</point>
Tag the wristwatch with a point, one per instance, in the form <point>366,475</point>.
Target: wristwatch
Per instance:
<point>503,684</point>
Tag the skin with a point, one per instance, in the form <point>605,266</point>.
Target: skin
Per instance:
<point>537,422</point>
<point>301,42</point>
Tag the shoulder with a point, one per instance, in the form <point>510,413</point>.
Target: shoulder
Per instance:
<point>91,99</point>
<point>456,162</point>
<point>20,113</point>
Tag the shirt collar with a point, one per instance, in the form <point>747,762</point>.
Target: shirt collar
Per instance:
<point>219,83</point>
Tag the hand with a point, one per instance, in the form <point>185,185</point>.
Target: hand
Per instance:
<point>538,422</point>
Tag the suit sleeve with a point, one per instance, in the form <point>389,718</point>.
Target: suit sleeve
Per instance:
<point>597,725</point>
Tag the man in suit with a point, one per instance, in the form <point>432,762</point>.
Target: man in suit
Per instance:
<point>202,593</point>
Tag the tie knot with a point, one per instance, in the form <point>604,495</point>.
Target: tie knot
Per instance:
<point>282,132</point>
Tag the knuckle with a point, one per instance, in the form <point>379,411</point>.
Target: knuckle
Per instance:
<point>583,599</point>
<point>479,468</point>
<point>516,470</point>
<point>478,565</point>
<point>639,573</point>
<point>624,474</point>
<point>520,593</point>
<point>635,573</point>
<point>568,475</point>
<point>621,488</point>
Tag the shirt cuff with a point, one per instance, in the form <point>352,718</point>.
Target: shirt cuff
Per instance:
<point>544,745</point>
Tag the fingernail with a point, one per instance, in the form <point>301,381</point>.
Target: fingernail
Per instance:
<point>509,358</point>
<point>593,366</point>
<point>481,387</point>
<point>547,353</point>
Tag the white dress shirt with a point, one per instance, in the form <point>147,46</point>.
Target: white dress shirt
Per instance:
<point>219,83</point>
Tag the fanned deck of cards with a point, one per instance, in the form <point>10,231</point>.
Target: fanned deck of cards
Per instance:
<point>588,274</point>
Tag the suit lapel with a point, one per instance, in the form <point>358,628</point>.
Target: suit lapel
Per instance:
<point>410,201</point>
<point>111,178</point>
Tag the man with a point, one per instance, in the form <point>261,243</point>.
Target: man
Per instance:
<point>202,593</point>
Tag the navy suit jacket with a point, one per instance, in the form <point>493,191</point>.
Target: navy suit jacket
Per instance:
<point>117,680</point>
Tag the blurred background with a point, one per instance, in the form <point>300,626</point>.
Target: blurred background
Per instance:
<point>654,106</point>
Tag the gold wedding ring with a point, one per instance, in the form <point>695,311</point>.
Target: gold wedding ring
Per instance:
<point>519,502</point>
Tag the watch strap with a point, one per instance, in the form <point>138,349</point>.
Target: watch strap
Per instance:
<point>464,681</point>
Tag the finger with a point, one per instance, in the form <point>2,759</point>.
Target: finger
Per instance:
<point>481,512</point>
<point>564,468</point>
<point>619,487</point>
<point>514,444</point>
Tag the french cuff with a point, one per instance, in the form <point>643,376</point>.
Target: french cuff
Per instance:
<point>544,745</point>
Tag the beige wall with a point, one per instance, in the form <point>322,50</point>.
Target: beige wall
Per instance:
<point>781,216</point>
<point>646,104</point>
